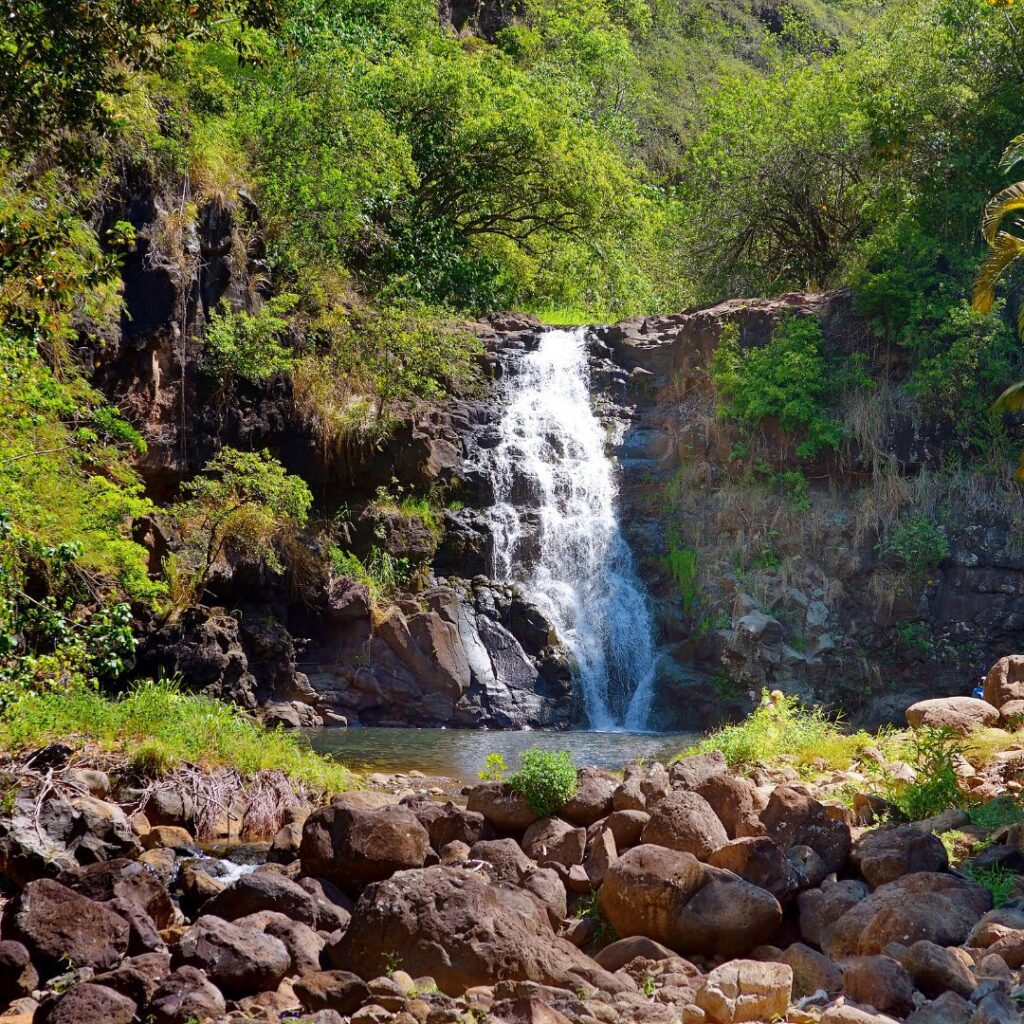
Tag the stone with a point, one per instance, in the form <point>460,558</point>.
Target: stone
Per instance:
<point>938,907</point>
<point>619,953</point>
<point>18,977</point>
<point>884,854</point>
<point>948,1008</point>
<point>601,855</point>
<point>263,890</point>
<point>285,846</point>
<point>936,969</point>
<point>732,799</point>
<point>669,896</point>
<point>881,982</point>
<point>502,806</point>
<point>122,879</point>
<point>685,821</point>
<point>353,847</point>
<point>746,990</point>
<point>238,958</point>
<point>331,990</point>
<point>820,909</point>
<point>793,817</point>
<point>995,1007</point>
<point>1011,714</point>
<point>626,827</point>
<point>844,1013</point>
<point>56,924</point>
<point>808,864</point>
<point>447,823</point>
<point>87,1004</point>
<point>528,1010</point>
<point>1005,681</point>
<point>812,971</point>
<point>760,862</point>
<point>169,837</point>
<point>554,841</point>
<point>692,772</point>
<point>961,714</point>
<point>592,799</point>
<point>485,930</point>
<point>138,977</point>
<point>185,996</point>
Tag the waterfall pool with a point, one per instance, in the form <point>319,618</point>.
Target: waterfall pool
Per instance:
<point>461,753</point>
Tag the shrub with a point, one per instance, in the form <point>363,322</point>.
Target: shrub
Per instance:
<point>494,769</point>
<point>933,754</point>
<point>784,729</point>
<point>247,345</point>
<point>1000,881</point>
<point>547,778</point>
<point>918,543</point>
<point>382,572</point>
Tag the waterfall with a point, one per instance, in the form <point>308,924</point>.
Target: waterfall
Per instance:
<point>556,529</point>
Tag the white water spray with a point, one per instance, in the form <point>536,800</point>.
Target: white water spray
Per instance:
<point>556,529</point>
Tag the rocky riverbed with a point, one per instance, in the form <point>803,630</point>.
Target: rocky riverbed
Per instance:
<point>663,894</point>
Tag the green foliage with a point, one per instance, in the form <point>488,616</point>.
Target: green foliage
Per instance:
<point>1003,883</point>
<point>681,563</point>
<point>933,754</point>
<point>163,728</point>
<point>243,502</point>
<point>784,729</point>
<point>995,814</point>
<point>786,380</point>
<point>494,769</point>
<point>247,345</point>
<point>382,572</point>
<point>918,544</point>
<point>547,778</point>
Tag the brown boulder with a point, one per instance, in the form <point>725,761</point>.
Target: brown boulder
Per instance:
<point>87,1004</point>
<point>760,862</point>
<point>794,818</point>
<point>592,799</point>
<point>122,879</point>
<point>462,930</point>
<point>56,924</point>
<point>502,806</point>
<point>619,953</point>
<point>353,847</point>
<point>263,890</point>
<point>692,772</point>
<point>601,855</point>
<point>627,827</point>
<point>936,970</point>
<point>881,982</point>
<point>685,821</point>
<point>820,909</point>
<point>669,896</point>
<point>884,854</point>
<point>236,957</point>
<point>938,907</point>
<point>746,990</point>
<point>554,841</point>
<point>448,823</point>
<point>959,713</point>
<point>185,996</point>
<point>1011,714</point>
<point>1005,680</point>
<point>812,970</point>
<point>331,990</point>
<point>732,800</point>
<point>17,975</point>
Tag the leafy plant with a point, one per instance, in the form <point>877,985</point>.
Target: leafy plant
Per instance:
<point>681,563</point>
<point>546,778</point>
<point>494,769</point>
<point>999,880</point>
<point>994,814</point>
<point>918,543</point>
<point>933,753</point>
<point>247,345</point>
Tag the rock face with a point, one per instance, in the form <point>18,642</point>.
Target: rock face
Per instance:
<point>463,932</point>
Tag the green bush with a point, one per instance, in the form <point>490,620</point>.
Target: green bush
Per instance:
<point>547,779</point>
<point>933,754</point>
<point>1003,883</point>
<point>681,563</point>
<point>918,543</point>
<point>247,345</point>
<point>787,379</point>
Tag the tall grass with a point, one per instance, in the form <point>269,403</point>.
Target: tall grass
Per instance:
<point>785,731</point>
<point>159,728</point>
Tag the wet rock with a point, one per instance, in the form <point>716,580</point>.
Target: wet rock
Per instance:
<point>87,1004</point>
<point>881,982</point>
<point>353,847</point>
<point>746,990</point>
<point>56,925</point>
<point>238,958</point>
<point>331,990</point>
<point>961,714</point>
<point>554,841</point>
<point>685,821</point>
<point>486,930</point>
<point>184,996</point>
<point>884,854</point>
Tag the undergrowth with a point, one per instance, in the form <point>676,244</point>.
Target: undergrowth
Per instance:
<point>158,728</point>
<point>547,778</point>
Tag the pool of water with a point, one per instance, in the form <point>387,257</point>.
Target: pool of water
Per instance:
<point>461,753</point>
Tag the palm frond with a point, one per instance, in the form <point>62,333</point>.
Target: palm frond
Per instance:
<point>1011,400</point>
<point>1013,154</point>
<point>1009,199</point>
<point>1020,468</point>
<point>1006,248</point>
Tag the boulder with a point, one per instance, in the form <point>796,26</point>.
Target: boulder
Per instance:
<point>948,1008</point>
<point>186,996</point>
<point>627,827</point>
<point>846,1013</point>
<point>938,907</point>
<point>238,958</point>
<point>122,879</point>
<point>692,772</point>
<point>331,990</point>
<point>263,890</point>
<point>1005,681</point>
<point>138,977</point>
<point>56,925</point>
<point>746,990</point>
<point>463,931</point>
<point>794,818</point>
<point>18,977</point>
<point>592,799</point>
<point>1011,714</point>
<point>760,862</point>
<point>820,909</point>
<point>601,855</point>
<point>732,799</point>
<point>881,982</point>
<point>884,854</point>
<point>87,1004</point>
<point>959,713</point>
<point>812,971</point>
<point>669,896</point>
<point>554,841</point>
<point>353,847</point>
<point>936,969</point>
<point>449,823</point>
<point>619,953</point>
<point>685,821</point>
<point>502,806</point>
<point>303,944</point>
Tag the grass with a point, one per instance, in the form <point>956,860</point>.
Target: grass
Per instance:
<point>786,731</point>
<point>996,813</point>
<point>158,728</point>
<point>1000,881</point>
<point>566,316</point>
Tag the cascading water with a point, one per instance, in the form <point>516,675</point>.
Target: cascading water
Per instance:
<point>556,529</point>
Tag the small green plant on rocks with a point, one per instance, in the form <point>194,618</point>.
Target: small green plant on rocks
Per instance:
<point>547,778</point>
<point>933,754</point>
<point>494,769</point>
<point>1000,881</point>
